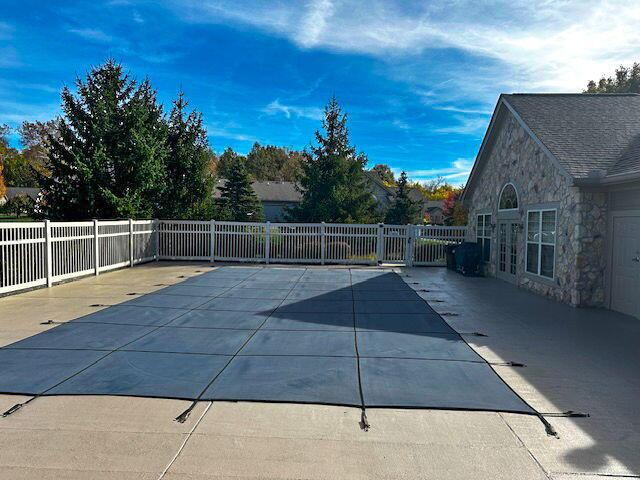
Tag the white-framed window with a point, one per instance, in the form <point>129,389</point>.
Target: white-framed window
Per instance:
<point>541,242</point>
<point>483,235</point>
<point>508,198</point>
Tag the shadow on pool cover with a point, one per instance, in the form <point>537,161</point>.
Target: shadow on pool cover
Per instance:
<point>358,337</point>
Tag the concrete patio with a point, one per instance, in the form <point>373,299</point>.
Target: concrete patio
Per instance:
<point>582,360</point>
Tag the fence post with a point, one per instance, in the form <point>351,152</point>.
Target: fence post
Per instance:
<point>267,242</point>
<point>48,254</point>
<point>323,243</point>
<point>212,241</point>
<point>156,246</point>
<point>380,244</point>
<point>130,242</point>
<point>408,251</point>
<point>96,249</point>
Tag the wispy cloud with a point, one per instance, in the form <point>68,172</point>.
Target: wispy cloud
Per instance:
<point>93,34</point>
<point>551,45</point>
<point>228,133</point>
<point>400,124</point>
<point>452,108</point>
<point>465,125</point>
<point>276,107</point>
<point>457,172</point>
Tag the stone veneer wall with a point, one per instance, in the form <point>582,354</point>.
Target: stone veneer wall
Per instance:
<point>581,216</point>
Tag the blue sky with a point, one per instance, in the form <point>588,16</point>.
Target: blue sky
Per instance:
<point>418,80</point>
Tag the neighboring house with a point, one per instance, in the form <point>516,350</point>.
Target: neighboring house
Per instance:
<point>554,197</point>
<point>433,211</point>
<point>17,191</point>
<point>276,198</point>
<point>384,194</point>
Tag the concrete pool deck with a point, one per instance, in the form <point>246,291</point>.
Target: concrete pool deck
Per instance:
<point>583,360</point>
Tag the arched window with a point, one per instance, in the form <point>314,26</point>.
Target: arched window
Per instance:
<point>508,198</point>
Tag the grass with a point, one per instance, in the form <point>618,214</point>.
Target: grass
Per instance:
<point>12,218</point>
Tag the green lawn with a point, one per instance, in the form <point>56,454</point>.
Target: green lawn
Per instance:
<point>13,218</point>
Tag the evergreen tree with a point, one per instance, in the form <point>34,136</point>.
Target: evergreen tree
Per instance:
<point>238,200</point>
<point>108,157</point>
<point>403,210</point>
<point>226,160</point>
<point>189,186</point>
<point>333,185</point>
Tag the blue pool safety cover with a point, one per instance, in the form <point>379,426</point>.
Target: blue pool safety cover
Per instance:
<point>356,337</point>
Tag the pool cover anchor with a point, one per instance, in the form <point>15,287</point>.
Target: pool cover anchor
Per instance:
<point>364,422</point>
<point>473,334</point>
<point>552,432</point>
<point>18,406</point>
<point>185,415</point>
<point>507,364</point>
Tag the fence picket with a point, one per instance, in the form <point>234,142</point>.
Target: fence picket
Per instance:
<point>42,253</point>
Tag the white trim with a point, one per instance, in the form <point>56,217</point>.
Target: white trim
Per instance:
<point>517,198</point>
<point>475,170</point>
<point>485,235</point>
<point>539,243</point>
<point>610,240</point>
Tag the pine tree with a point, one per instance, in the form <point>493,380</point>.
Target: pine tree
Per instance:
<point>108,157</point>
<point>189,191</point>
<point>403,210</point>
<point>238,200</point>
<point>333,185</point>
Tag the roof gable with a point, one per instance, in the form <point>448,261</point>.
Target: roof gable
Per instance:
<point>587,133</point>
<point>586,136</point>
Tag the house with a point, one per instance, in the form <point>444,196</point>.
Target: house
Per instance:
<point>276,198</point>
<point>383,194</point>
<point>18,191</point>
<point>433,211</point>
<point>554,197</point>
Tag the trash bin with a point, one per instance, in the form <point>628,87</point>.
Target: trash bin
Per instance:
<point>450,254</point>
<point>468,258</point>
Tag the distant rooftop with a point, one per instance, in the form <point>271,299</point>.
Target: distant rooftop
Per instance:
<point>270,191</point>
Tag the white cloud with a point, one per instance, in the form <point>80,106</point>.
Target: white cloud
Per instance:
<point>466,125</point>
<point>456,172</point>
<point>229,133</point>
<point>275,108</point>
<point>538,45</point>
<point>400,124</point>
<point>92,34</point>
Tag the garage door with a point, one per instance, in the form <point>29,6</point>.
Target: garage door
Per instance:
<point>625,271</point>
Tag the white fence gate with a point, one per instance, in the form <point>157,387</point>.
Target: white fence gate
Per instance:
<point>42,253</point>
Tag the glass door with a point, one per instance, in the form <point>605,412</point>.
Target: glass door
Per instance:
<point>507,250</point>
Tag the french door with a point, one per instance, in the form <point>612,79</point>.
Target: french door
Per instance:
<point>507,250</point>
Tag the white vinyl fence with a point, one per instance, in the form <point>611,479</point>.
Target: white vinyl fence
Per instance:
<point>42,253</point>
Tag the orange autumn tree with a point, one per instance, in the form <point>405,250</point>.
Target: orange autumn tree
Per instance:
<point>3,187</point>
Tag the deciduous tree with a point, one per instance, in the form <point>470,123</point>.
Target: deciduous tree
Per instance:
<point>626,80</point>
<point>384,173</point>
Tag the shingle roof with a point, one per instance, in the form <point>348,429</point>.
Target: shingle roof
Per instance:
<point>16,191</point>
<point>586,133</point>
<point>270,191</point>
